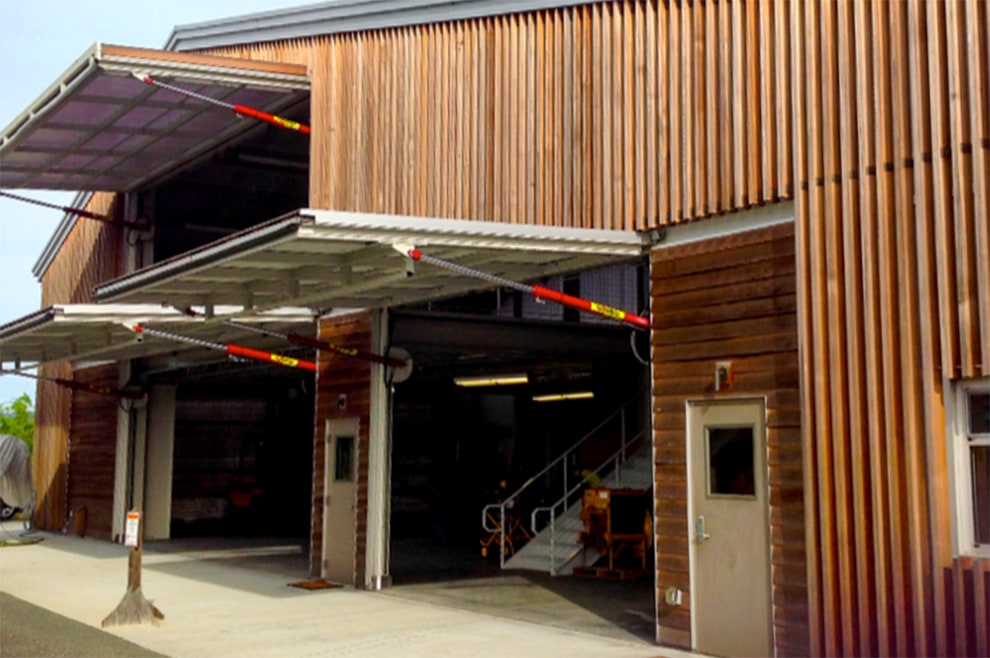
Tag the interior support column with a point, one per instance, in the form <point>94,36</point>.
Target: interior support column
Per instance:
<point>122,461</point>
<point>379,453</point>
<point>158,465</point>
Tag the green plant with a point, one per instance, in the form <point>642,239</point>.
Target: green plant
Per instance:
<point>17,419</point>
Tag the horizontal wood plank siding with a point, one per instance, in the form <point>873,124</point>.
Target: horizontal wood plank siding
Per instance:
<point>730,298</point>
<point>92,451</point>
<point>341,375</point>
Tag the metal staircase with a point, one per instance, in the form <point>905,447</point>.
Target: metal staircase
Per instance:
<point>554,547</point>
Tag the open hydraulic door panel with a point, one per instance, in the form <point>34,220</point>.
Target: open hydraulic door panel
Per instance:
<point>97,332</point>
<point>100,128</point>
<point>331,259</point>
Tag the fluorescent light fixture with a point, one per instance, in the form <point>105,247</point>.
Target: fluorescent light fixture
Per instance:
<point>492,380</point>
<point>557,397</point>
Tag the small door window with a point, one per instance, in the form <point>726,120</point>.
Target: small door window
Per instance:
<point>343,470</point>
<point>731,470</point>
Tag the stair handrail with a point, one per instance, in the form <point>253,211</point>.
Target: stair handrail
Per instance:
<point>499,508</point>
<point>619,457</point>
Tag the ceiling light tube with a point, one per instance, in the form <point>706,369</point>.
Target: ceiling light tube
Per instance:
<point>492,380</point>
<point>557,397</point>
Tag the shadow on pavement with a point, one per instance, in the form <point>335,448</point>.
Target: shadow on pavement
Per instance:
<point>460,578</point>
<point>263,566</point>
<point>29,631</point>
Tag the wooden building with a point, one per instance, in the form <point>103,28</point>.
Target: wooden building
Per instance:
<point>804,182</point>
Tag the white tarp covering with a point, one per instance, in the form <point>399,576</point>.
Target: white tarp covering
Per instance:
<point>15,472</point>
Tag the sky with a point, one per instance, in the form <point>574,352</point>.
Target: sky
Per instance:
<point>39,40</point>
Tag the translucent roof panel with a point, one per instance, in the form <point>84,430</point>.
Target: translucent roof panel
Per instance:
<point>100,128</point>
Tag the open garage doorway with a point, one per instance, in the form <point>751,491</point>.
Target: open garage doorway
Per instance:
<point>243,452</point>
<point>460,443</point>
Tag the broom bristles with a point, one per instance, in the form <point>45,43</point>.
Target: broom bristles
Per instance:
<point>133,609</point>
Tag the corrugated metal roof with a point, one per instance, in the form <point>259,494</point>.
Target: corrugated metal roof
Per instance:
<point>343,16</point>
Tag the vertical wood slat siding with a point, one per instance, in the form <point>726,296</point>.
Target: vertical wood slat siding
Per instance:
<point>90,255</point>
<point>731,298</point>
<point>51,439</point>
<point>892,227</point>
<point>885,137</point>
<point>578,129</point>
<point>92,450</point>
<point>967,583</point>
<point>340,375</point>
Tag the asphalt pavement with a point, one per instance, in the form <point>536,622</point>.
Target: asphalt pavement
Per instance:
<point>27,631</point>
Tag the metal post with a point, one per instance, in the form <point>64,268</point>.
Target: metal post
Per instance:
<point>553,544</point>
<point>565,467</point>
<point>501,528</point>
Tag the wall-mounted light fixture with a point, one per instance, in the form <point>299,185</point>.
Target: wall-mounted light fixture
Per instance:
<point>492,380</point>
<point>723,374</point>
<point>557,397</point>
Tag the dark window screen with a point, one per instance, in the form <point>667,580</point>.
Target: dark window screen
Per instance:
<point>730,461</point>
<point>344,459</point>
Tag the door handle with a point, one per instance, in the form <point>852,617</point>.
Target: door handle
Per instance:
<point>700,536</point>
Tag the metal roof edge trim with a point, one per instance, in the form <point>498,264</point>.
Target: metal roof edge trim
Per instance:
<point>731,223</point>
<point>409,228</point>
<point>63,83</point>
<point>58,238</point>
<point>233,245</point>
<point>28,322</point>
<point>342,17</point>
<point>125,59</point>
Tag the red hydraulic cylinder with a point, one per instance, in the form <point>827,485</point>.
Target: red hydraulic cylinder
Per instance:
<point>273,119</point>
<point>539,292</point>
<point>259,355</point>
<point>590,307</point>
<point>233,350</point>
<point>237,108</point>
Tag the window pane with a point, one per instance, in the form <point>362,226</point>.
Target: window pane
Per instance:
<point>979,413</point>
<point>730,461</point>
<point>344,459</point>
<point>981,494</point>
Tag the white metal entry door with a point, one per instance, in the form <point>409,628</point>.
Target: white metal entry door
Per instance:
<point>729,524</point>
<point>339,499</point>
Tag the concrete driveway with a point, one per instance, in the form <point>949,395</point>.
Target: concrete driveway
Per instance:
<point>214,606</point>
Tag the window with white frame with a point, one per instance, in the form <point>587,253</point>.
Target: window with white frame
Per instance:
<point>971,460</point>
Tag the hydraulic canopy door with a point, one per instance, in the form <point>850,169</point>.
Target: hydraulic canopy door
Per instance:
<point>329,259</point>
<point>103,127</point>
<point>106,332</point>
